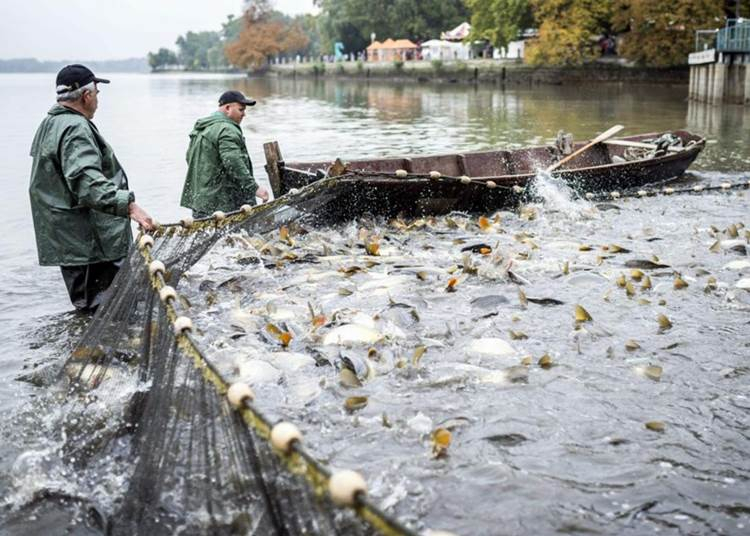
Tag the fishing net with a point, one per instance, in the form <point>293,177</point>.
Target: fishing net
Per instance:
<point>142,394</point>
<point>146,388</point>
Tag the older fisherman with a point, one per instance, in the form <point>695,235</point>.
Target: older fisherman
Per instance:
<point>79,193</point>
<point>220,174</point>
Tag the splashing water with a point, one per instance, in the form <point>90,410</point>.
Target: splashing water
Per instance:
<point>554,195</point>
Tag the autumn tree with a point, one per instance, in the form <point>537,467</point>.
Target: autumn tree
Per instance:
<point>569,30</point>
<point>653,35</point>
<point>499,21</point>
<point>263,36</point>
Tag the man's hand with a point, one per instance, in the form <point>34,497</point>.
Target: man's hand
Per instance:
<point>262,193</point>
<point>141,217</point>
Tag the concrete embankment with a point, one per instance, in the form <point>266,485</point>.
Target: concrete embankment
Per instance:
<point>482,71</point>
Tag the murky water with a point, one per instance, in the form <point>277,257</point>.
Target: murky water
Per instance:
<point>570,449</point>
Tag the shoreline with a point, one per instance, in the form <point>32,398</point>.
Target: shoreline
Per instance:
<point>497,72</point>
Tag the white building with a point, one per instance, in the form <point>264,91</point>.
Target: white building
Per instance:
<point>438,49</point>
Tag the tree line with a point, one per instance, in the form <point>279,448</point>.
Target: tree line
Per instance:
<point>566,32</point>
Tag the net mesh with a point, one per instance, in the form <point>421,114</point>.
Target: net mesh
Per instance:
<point>141,394</point>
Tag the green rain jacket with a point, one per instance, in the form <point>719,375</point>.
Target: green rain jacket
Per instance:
<point>79,193</point>
<point>220,174</point>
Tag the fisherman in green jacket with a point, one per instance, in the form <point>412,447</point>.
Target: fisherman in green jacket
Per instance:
<point>80,201</point>
<point>220,174</point>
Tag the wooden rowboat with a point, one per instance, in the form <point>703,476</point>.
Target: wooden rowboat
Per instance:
<point>485,180</point>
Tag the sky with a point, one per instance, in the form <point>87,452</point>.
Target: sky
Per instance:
<point>111,29</point>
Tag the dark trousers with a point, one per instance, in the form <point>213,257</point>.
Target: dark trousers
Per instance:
<point>87,284</point>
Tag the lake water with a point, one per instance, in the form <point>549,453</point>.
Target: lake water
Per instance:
<point>147,120</point>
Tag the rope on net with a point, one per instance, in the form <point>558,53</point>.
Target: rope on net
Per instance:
<point>345,488</point>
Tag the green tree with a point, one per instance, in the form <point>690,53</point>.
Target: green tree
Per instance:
<point>569,30</point>
<point>353,21</point>
<point>654,35</point>
<point>161,59</point>
<point>499,21</point>
<point>193,49</point>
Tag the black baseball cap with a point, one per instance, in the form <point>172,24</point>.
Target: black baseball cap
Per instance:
<point>235,96</point>
<point>72,77</point>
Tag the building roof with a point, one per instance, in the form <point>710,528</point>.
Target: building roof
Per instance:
<point>391,44</point>
<point>458,33</point>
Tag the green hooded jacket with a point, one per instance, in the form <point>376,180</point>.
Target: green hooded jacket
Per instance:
<point>79,193</point>
<point>220,174</point>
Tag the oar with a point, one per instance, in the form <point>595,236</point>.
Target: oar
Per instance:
<point>600,138</point>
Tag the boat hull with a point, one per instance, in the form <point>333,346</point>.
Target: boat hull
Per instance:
<point>375,186</point>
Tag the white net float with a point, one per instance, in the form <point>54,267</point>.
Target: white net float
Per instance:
<point>435,174</point>
<point>615,195</point>
<point>156,267</point>
<point>167,293</point>
<point>238,393</point>
<point>146,241</point>
<point>401,173</point>
<point>283,435</point>
<point>182,324</point>
<point>246,209</point>
<point>344,486</point>
<point>219,215</point>
<point>465,179</point>
<point>187,222</point>
<point>491,184</point>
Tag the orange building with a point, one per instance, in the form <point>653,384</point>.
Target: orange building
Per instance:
<point>392,50</point>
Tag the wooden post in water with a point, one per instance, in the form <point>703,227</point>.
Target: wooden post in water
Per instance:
<point>273,157</point>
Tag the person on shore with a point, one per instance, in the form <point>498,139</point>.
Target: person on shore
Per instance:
<point>220,173</point>
<point>80,202</point>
